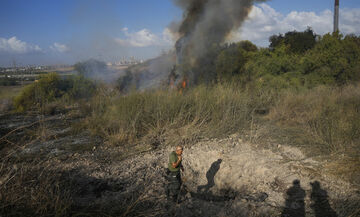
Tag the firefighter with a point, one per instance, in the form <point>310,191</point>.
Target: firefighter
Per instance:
<point>174,177</point>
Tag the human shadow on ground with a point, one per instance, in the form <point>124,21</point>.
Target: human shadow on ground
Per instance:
<point>210,174</point>
<point>294,204</point>
<point>320,203</point>
<point>203,191</point>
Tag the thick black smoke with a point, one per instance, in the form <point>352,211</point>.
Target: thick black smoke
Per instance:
<point>205,23</point>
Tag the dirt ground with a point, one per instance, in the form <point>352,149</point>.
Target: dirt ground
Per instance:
<point>222,177</point>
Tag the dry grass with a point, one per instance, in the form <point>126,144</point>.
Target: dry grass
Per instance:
<point>332,117</point>
<point>163,116</point>
<point>330,114</point>
<point>37,185</point>
<point>32,189</point>
<point>8,92</point>
<point>347,166</point>
<point>30,185</point>
<point>325,120</point>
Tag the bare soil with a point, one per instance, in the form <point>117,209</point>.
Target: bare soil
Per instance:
<point>222,177</point>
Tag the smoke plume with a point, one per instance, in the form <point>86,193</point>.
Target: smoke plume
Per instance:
<point>206,23</point>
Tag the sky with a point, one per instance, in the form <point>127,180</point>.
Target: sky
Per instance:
<point>47,32</point>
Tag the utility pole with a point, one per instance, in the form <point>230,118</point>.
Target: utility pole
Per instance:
<point>336,16</point>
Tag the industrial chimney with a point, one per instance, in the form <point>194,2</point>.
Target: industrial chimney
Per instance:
<point>336,16</point>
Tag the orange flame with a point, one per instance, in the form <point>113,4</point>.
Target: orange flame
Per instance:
<point>183,84</point>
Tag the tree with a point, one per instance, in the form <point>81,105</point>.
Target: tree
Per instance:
<point>334,59</point>
<point>298,42</point>
<point>232,59</point>
<point>248,46</point>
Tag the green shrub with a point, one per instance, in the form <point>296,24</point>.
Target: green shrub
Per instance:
<point>334,60</point>
<point>42,91</point>
<point>50,87</point>
<point>78,87</point>
<point>277,62</point>
<point>231,61</point>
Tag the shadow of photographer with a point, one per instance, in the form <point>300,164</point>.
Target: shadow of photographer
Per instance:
<point>320,202</point>
<point>295,204</point>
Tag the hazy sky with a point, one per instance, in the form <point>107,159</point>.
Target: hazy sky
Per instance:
<point>67,31</point>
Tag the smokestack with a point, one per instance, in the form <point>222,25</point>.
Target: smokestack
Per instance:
<point>336,16</point>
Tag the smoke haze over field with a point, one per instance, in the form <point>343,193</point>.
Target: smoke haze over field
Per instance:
<point>204,23</point>
<point>207,22</point>
<point>67,31</point>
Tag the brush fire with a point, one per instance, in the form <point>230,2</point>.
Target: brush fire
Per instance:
<point>205,23</point>
<point>209,128</point>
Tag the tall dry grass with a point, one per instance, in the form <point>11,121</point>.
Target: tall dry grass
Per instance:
<point>332,116</point>
<point>163,116</point>
<point>32,188</point>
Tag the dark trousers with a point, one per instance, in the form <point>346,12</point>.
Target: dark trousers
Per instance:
<point>173,186</point>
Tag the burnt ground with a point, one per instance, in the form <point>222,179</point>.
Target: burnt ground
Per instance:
<point>223,177</point>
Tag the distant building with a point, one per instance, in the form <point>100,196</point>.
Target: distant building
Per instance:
<point>125,61</point>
